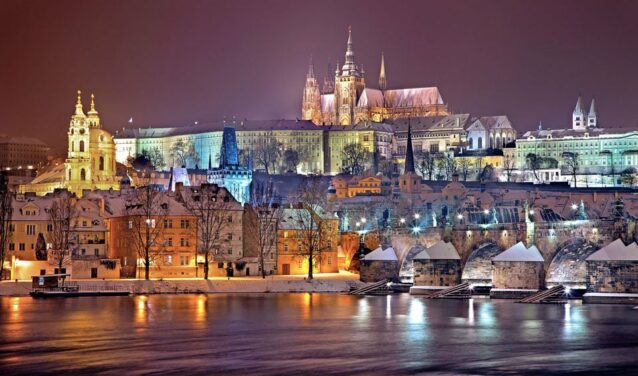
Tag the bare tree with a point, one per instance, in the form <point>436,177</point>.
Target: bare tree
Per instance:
<point>267,152</point>
<point>509,166</point>
<point>62,218</point>
<point>629,176</point>
<point>449,165</point>
<point>313,232</point>
<point>355,157</point>
<point>183,153</point>
<point>146,209</point>
<point>6,210</point>
<point>211,205</point>
<point>266,212</point>
<point>426,165</point>
<point>571,163</point>
<point>291,160</point>
<point>157,158</point>
<point>464,167</point>
<point>534,164</point>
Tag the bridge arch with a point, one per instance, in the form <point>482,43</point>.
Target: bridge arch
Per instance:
<point>568,266</point>
<point>478,267</point>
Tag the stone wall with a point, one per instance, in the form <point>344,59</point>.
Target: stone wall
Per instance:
<point>437,272</point>
<point>374,271</point>
<point>612,276</point>
<point>518,275</point>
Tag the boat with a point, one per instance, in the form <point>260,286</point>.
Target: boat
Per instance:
<point>56,285</point>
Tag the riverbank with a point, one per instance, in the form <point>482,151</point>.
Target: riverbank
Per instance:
<point>329,283</point>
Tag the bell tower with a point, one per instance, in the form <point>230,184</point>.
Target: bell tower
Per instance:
<point>349,84</point>
<point>78,161</point>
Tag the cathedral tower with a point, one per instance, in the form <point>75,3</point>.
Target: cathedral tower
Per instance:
<point>383,84</point>
<point>349,84</point>
<point>592,118</point>
<point>311,106</point>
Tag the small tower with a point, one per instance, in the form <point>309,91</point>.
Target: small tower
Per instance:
<point>409,181</point>
<point>382,81</point>
<point>592,118</point>
<point>311,106</point>
<point>409,153</point>
<point>578,116</point>
<point>94,118</point>
<point>78,162</point>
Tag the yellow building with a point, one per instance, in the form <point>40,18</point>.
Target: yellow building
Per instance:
<point>350,186</point>
<point>292,239</point>
<point>90,162</point>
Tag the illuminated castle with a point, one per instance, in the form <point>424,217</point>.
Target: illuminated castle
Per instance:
<point>90,161</point>
<point>231,174</point>
<point>349,101</point>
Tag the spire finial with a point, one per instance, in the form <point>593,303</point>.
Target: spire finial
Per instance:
<point>78,105</point>
<point>93,104</point>
<point>409,152</point>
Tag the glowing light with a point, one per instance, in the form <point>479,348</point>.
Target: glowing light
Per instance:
<point>486,211</point>
<point>568,291</point>
<point>460,216</point>
<point>416,229</point>
<point>358,224</point>
<point>363,220</point>
<point>402,220</point>
<point>417,215</point>
<point>531,212</point>
<point>574,206</point>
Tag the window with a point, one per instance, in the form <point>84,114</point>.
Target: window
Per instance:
<point>183,260</point>
<point>184,223</point>
<point>168,223</point>
<point>81,146</point>
<point>21,246</point>
<point>30,229</point>
<point>230,219</point>
<point>329,260</point>
<point>299,264</point>
<point>12,227</point>
<point>183,242</point>
<point>12,246</point>
<point>168,260</point>
<point>96,252</point>
<point>229,236</point>
<point>49,227</point>
<point>101,163</point>
<point>168,242</point>
<point>84,223</point>
<point>83,174</point>
<point>230,251</point>
<point>130,224</point>
<point>220,265</point>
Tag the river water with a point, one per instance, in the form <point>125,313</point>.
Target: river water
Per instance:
<point>312,334</point>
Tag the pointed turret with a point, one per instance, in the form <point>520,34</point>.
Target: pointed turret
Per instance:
<point>79,111</point>
<point>311,71</point>
<point>578,116</point>
<point>311,105</point>
<point>94,118</point>
<point>409,153</point>
<point>592,118</point>
<point>382,81</point>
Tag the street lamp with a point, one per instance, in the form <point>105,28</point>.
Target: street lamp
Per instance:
<point>417,215</point>
<point>402,220</point>
<point>460,216</point>
<point>574,206</point>
<point>363,220</point>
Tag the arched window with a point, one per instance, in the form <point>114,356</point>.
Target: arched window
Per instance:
<point>480,143</point>
<point>69,174</point>
<point>471,143</point>
<point>82,174</point>
<point>72,146</point>
<point>81,146</point>
<point>101,163</point>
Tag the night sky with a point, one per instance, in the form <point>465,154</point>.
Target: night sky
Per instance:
<point>175,62</point>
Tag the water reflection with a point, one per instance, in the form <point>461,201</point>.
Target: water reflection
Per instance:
<point>319,334</point>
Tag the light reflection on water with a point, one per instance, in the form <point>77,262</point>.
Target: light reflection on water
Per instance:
<point>311,333</point>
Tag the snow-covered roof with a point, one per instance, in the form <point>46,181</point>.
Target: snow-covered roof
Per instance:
<point>381,254</point>
<point>415,97</point>
<point>439,251</point>
<point>616,251</point>
<point>518,252</point>
<point>371,98</point>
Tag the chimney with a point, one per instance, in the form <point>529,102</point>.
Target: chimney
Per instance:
<point>178,188</point>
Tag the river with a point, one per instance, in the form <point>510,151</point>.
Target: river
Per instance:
<point>312,334</point>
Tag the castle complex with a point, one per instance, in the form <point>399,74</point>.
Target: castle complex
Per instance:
<point>349,101</point>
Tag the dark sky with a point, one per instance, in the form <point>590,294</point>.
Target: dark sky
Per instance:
<point>174,62</point>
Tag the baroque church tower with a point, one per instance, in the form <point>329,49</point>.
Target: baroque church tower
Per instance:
<point>90,162</point>
<point>349,84</point>
<point>311,107</point>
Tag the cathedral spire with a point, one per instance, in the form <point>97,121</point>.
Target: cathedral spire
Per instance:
<point>92,110</point>
<point>409,153</point>
<point>592,118</point>
<point>311,70</point>
<point>78,105</point>
<point>382,81</point>
<point>349,67</point>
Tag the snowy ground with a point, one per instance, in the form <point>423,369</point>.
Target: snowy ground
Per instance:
<point>323,282</point>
